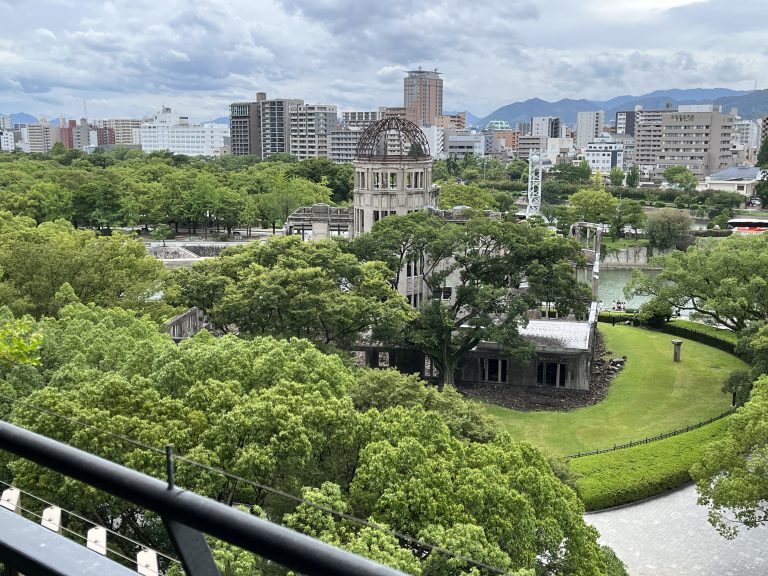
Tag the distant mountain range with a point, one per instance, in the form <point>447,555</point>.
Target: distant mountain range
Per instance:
<point>750,104</point>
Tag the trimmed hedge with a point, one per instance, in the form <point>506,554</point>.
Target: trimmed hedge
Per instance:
<point>712,233</point>
<point>722,339</point>
<point>620,317</point>
<point>626,476</point>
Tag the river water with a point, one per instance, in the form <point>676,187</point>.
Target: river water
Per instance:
<point>611,288</point>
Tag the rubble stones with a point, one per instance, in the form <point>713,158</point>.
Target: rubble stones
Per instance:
<point>539,398</point>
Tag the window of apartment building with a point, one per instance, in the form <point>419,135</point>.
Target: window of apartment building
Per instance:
<point>551,374</point>
<point>392,180</point>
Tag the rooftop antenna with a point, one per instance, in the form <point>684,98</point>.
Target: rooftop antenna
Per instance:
<point>85,110</point>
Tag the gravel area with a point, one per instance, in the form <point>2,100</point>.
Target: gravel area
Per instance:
<point>528,398</point>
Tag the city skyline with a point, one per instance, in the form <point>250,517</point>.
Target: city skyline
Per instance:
<point>129,59</point>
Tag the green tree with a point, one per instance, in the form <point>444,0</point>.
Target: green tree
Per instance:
<point>723,281</point>
<point>289,288</point>
<point>616,176</point>
<point>19,341</point>
<point>633,176</point>
<point>681,177</point>
<point>762,154</point>
<point>590,205</point>
<point>731,478</point>
<point>452,194</point>
<point>667,227</point>
<point>630,213</point>
<point>337,177</point>
<point>162,232</point>
<point>761,189</point>
<point>35,261</point>
<point>483,262</point>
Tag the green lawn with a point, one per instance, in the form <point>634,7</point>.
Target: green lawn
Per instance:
<point>650,396</point>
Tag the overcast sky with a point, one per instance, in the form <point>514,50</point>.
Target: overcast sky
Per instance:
<point>127,58</point>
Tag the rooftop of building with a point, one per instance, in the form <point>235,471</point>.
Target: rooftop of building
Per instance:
<point>737,173</point>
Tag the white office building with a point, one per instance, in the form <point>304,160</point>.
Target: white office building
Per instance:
<point>435,136</point>
<point>459,143</point>
<point>747,133</point>
<point>169,131</point>
<point>7,143</point>
<point>5,122</point>
<point>603,154</point>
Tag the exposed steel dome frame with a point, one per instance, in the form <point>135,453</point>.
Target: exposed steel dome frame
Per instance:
<point>408,134</point>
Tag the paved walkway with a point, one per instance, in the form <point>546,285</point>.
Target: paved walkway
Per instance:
<point>670,536</point>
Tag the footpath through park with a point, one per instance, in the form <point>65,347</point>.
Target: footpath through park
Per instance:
<point>669,535</point>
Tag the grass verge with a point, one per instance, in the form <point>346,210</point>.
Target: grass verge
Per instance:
<point>651,395</point>
<point>632,474</point>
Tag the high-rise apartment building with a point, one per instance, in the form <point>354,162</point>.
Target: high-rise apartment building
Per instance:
<point>764,130</point>
<point>7,140</point>
<point>77,135</point>
<point>360,119</point>
<point>126,130</point>
<point>445,121</point>
<point>697,137</point>
<point>342,143</point>
<point>423,96</point>
<point>547,126</point>
<point>589,126</point>
<point>647,138</point>
<point>625,123</point>
<point>528,145</point>
<point>747,133</point>
<point>276,125</point>
<point>5,122</point>
<point>43,136</point>
<point>310,125</point>
<point>245,126</point>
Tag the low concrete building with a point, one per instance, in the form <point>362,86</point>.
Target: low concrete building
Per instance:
<point>739,179</point>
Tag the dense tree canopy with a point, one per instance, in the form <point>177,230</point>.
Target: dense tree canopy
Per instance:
<point>732,477</point>
<point>37,261</point>
<point>281,413</point>
<point>725,281</point>
<point>124,188</point>
<point>286,287</point>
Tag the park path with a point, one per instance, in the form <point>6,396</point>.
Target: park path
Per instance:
<point>670,536</point>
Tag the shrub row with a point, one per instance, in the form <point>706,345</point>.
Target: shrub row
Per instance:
<point>619,316</point>
<point>625,476</point>
<point>712,233</point>
<point>722,339</point>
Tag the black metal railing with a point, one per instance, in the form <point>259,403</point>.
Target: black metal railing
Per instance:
<point>187,516</point>
<point>649,439</point>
